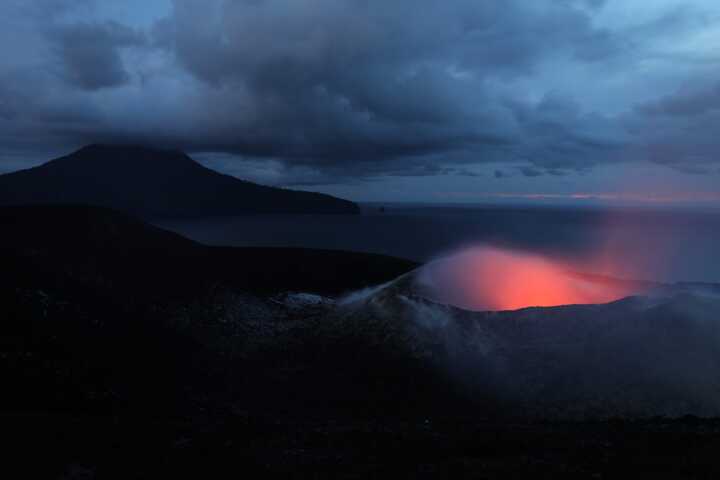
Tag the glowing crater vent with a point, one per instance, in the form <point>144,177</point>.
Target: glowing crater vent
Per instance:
<point>491,278</point>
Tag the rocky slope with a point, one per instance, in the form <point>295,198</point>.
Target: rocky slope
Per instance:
<point>657,354</point>
<point>129,352</point>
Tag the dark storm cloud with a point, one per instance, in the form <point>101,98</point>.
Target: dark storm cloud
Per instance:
<point>682,129</point>
<point>531,171</point>
<point>90,52</point>
<point>330,91</point>
<point>686,103</point>
<point>356,82</point>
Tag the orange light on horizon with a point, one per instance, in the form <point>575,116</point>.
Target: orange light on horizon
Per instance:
<point>619,198</point>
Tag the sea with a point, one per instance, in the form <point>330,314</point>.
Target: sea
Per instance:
<point>656,244</point>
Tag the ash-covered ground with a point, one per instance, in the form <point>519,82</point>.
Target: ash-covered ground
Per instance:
<point>130,352</point>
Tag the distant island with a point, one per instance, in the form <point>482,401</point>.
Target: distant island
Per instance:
<point>155,183</point>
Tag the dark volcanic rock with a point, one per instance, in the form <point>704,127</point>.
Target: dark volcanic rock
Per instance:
<point>129,352</point>
<point>102,312</point>
<point>153,182</point>
<point>63,245</point>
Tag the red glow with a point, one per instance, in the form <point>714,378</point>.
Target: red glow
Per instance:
<point>489,278</point>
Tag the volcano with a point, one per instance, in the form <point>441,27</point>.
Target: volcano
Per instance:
<point>653,351</point>
<point>154,183</point>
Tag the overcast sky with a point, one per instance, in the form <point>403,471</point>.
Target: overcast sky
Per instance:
<point>418,100</point>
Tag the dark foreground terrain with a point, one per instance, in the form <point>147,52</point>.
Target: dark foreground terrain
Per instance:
<point>127,351</point>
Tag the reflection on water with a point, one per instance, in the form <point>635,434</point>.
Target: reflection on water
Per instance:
<point>654,245</point>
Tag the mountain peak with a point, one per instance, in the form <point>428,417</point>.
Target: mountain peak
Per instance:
<point>112,148</point>
<point>154,182</point>
<point>128,153</point>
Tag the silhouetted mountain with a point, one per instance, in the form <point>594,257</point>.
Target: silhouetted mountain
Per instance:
<point>153,182</point>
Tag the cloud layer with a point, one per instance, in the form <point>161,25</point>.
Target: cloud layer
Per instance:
<point>333,91</point>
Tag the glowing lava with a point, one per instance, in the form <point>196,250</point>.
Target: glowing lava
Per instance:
<point>490,278</point>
